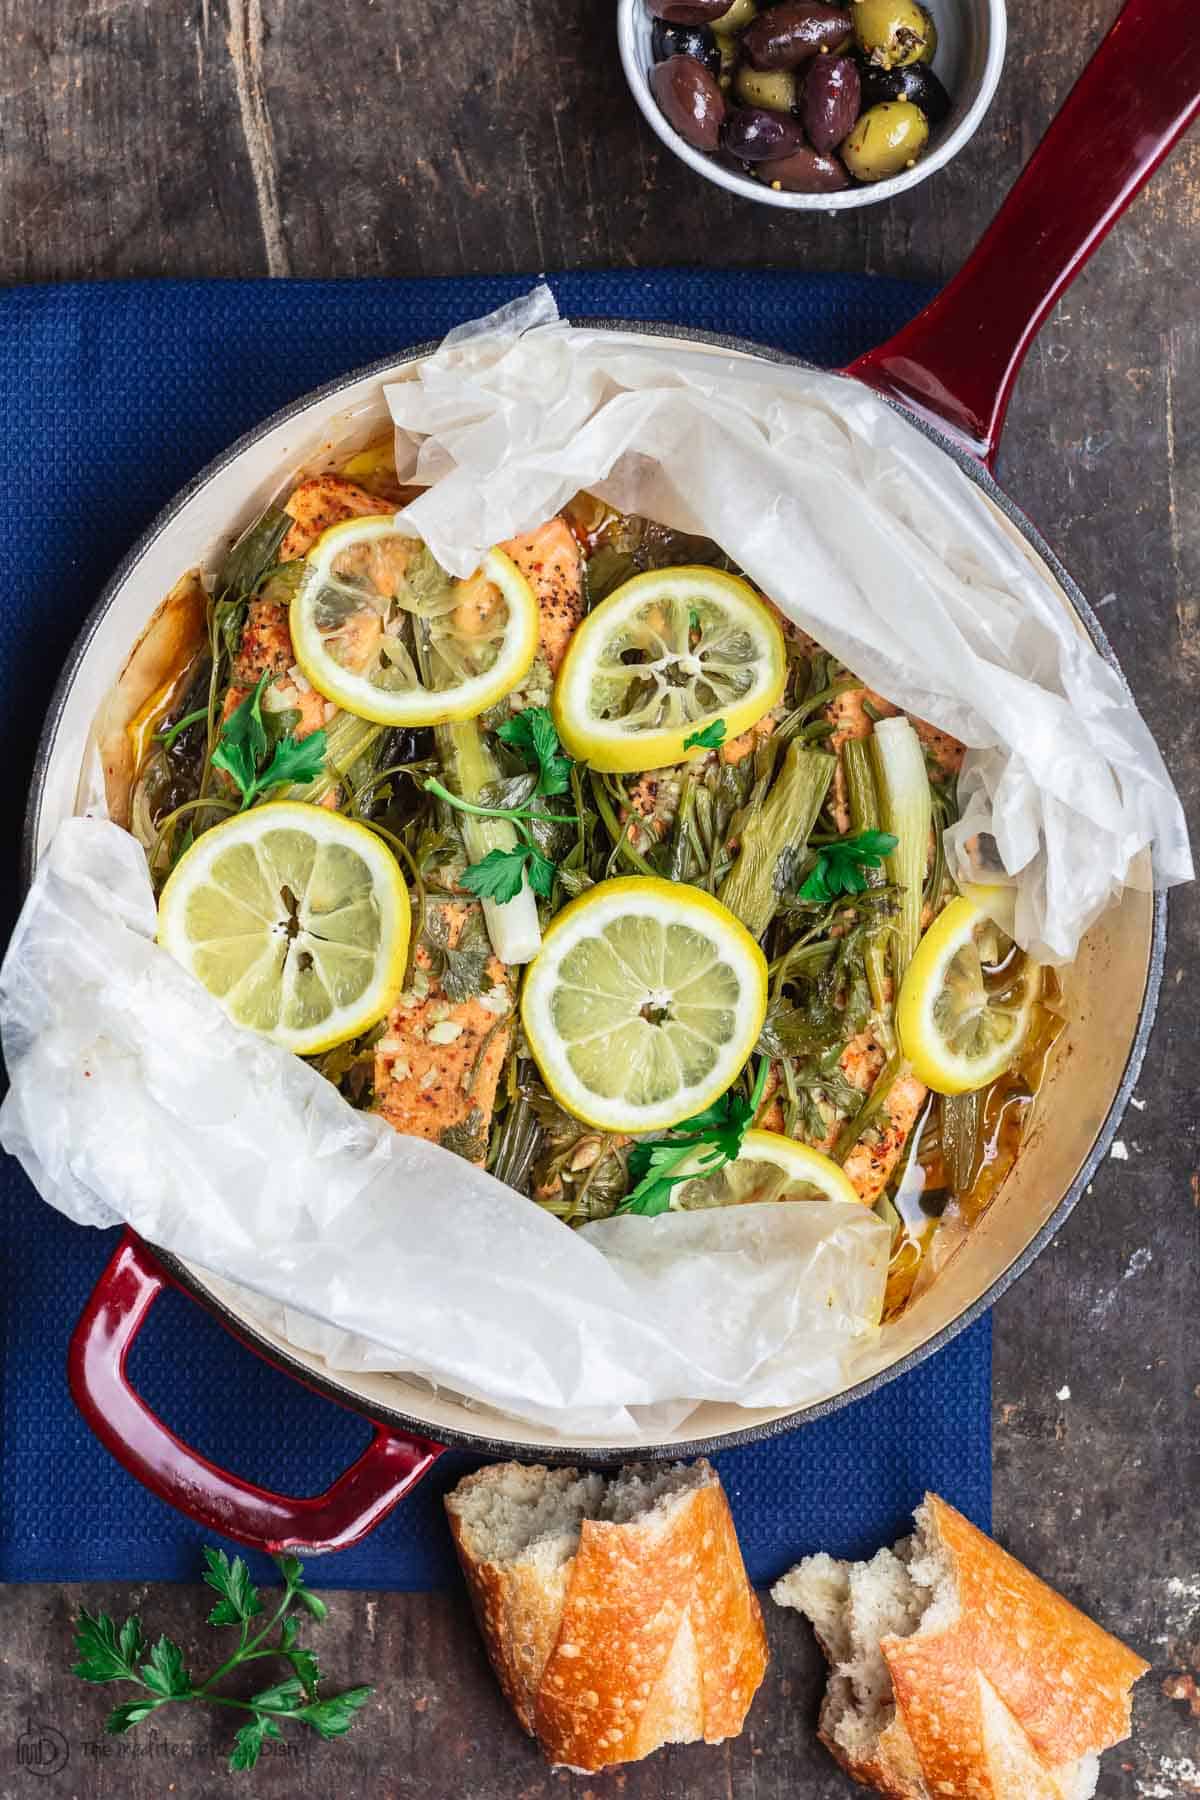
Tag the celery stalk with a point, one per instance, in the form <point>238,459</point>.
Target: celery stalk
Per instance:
<point>906,809</point>
<point>864,816</point>
<point>347,737</point>
<point>778,829</point>
<point>469,767</point>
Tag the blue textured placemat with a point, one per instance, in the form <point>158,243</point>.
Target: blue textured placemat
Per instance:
<point>112,396</point>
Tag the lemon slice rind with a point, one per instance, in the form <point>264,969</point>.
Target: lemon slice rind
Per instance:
<point>418,705</point>
<point>799,1163</point>
<point>223,917</point>
<point>694,686</point>
<point>942,997</point>
<point>626,957</point>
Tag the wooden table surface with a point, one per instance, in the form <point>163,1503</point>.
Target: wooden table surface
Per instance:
<point>348,137</point>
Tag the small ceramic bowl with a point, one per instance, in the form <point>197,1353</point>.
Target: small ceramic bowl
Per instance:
<point>970,56</point>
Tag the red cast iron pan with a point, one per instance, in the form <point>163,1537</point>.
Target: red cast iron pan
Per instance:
<point>953,368</point>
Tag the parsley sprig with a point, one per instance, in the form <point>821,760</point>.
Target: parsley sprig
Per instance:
<point>714,1136</point>
<point>108,1652</point>
<point>242,751</point>
<point>498,876</point>
<point>841,867</point>
<point>711,738</point>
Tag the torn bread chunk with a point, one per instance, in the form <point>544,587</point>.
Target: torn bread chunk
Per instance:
<point>616,1613</point>
<point>954,1671</point>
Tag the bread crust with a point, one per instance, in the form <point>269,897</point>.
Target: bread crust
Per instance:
<point>649,1634</point>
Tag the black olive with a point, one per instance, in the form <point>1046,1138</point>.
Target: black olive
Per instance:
<point>915,82</point>
<point>686,40</point>
<point>754,135</point>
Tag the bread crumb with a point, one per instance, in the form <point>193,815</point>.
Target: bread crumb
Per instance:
<point>1064,1393</point>
<point>1119,1151</point>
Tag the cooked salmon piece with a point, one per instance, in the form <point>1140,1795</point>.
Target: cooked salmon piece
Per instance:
<point>322,501</point>
<point>847,713</point>
<point>550,561</point>
<point>739,747</point>
<point>438,1064</point>
<point>266,649</point>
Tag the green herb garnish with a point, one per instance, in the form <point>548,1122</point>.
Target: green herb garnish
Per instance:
<point>715,1136</point>
<point>245,741</point>
<point>533,735</point>
<point>711,738</point>
<point>840,867</point>
<point>499,875</point>
<point>109,1653</point>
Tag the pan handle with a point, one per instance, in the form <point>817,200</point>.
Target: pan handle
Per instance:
<point>956,363</point>
<point>389,1467</point>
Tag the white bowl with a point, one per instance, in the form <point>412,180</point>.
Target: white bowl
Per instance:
<point>970,56</point>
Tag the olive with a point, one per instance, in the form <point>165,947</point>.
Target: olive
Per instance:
<point>832,100</point>
<point>728,49</point>
<point>691,100</point>
<point>688,12</point>
<point>775,90</point>
<point>805,171</point>
<point>686,40</point>
<point>931,37</point>
<point>914,82</point>
<point>791,33</point>
<point>886,140</point>
<point>737,16</point>
<point>892,32</point>
<point>754,135</point>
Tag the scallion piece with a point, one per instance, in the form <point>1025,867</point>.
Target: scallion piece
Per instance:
<point>906,810</point>
<point>864,816</point>
<point>775,835</point>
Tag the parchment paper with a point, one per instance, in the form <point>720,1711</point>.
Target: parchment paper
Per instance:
<point>862,531</point>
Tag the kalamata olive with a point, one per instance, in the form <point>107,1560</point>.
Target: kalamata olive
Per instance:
<point>891,32</point>
<point>737,16</point>
<point>753,134</point>
<point>805,171</point>
<point>773,88</point>
<point>686,40</point>
<point>791,33</point>
<point>832,100</point>
<point>914,82</point>
<point>688,12</point>
<point>886,140</point>
<point>691,100</point>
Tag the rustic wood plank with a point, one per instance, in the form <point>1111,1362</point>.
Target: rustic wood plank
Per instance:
<point>244,137</point>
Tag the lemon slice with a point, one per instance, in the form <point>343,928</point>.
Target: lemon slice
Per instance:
<point>643,1003</point>
<point>295,919</point>
<point>959,1026</point>
<point>384,632</point>
<point>770,1167</point>
<point>665,656</point>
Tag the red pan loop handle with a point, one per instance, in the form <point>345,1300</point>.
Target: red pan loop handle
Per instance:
<point>390,1466</point>
<point>956,363</point>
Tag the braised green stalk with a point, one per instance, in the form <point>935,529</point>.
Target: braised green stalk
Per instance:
<point>864,816</point>
<point>775,834</point>
<point>470,768</point>
<point>906,809</point>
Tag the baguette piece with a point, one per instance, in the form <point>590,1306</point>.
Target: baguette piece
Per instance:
<point>616,1613</point>
<point>957,1672</point>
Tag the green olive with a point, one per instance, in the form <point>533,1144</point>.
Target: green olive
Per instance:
<point>728,47</point>
<point>892,32</point>
<point>774,89</point>
<point>887,139</point>
<point>931,38</point>
<point>737,18</point>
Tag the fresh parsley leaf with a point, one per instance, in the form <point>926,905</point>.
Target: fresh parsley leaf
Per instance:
<point>122,1718</point>
<point>333,1718</point>
<point>105,1655</point>
<point>532,733</point>
<point>109,1653</point>
<point>499,874</point>
<point>707,1141</point>
<point>245,741</point>
<point>711,738</point>
<point>292,761</point>
<point>164,1673</point>
<point>249,1740</point>
<point>239,1600</point>
<point>841,867</point>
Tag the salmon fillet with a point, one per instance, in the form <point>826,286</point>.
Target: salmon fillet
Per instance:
<point>550,561</point>
<point>320,502</point>
<point>438,1064</point>
<point>266,649</point>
